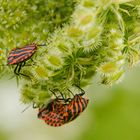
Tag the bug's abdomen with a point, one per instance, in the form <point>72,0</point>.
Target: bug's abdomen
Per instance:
<point>53,119</point>
<point>19,55</point>
<point>53,114</point>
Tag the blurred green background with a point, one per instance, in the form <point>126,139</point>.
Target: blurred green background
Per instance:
<point>113,113</point>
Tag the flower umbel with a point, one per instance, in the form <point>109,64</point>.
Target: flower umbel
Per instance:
<point>98,37</point>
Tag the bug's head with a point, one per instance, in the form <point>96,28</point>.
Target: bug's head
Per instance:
<point>33,45</point>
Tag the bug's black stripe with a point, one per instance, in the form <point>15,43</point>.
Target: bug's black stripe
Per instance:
<point>15,57</point>
<point>25,53</point>
<point>69,115</point>
<point>79,107</point>
<point>16,53</point>
<point>19,51</point>
<point>21,56</point>
<point>71,110</point>
<point>83,104</point>
<point>74,108</point>
<point>85,101</point>
<point>75,117</point>
<point>78,104</point>
<point>10,57</point>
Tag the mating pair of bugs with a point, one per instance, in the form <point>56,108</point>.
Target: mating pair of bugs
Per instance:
<point>60,111</point>
<point>19,56</point>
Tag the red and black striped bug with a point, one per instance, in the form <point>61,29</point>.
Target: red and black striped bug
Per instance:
<point>76,106</point>
<point>53,113</point>
<point>19,56</point>
<point>61,111</point>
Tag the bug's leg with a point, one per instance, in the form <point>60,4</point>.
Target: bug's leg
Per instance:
<point>34,106</point>
<point>67,100</point>
<point>19,69</point>
<point>82,91</point>
<point>61,95</point>
<point>71,92</point>
<point>15,70</point>
<point>25,75</point>
<point>63,98</point>
<point>53,93</point>
<point>23,63</point>
<point>33,61</point>
<point>41,106</point>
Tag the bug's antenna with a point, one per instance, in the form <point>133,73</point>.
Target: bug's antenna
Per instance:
<point>70,92</point>
<point>41,45</point>
<point>25,109</point>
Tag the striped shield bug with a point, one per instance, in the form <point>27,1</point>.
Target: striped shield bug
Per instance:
<point>19,56</point>
<point>53,113</point>
<point>76,106</point>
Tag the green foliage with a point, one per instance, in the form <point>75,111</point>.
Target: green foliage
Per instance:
<point>27,21</point>
<point>102,37</point>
